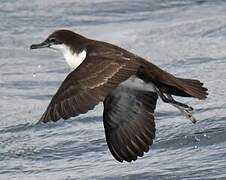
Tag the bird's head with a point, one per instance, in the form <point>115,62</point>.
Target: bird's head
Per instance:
<point>72,45</point>
<point>61,38</point>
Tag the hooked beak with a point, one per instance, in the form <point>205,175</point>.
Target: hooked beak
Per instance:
<point>41,45</point>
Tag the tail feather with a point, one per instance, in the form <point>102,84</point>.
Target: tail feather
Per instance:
<point>168,83</point>
<point>194,88</point>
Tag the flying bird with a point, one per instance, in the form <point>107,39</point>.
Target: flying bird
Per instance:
<point>128,86</point>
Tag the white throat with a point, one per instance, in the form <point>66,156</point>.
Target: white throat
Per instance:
<point>73,59</point>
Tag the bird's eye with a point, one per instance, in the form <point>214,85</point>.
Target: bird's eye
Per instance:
<point>52,40</point>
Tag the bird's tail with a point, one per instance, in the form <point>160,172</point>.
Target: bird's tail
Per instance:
<point>170,84</point>
<point>186,88</point>
<point>194,88</point>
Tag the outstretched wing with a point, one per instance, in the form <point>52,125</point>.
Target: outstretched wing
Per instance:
<point>88,85</point>
<point>129,122</point>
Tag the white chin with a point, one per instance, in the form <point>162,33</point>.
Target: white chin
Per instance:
<point>73,59</point>
<point>59,47</point>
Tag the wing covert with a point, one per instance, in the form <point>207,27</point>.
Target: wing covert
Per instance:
<point>86,86</point>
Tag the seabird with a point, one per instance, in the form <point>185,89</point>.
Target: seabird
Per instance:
<point>127,84</point>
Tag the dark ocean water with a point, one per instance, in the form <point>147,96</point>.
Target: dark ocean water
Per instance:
<point>184,37</point>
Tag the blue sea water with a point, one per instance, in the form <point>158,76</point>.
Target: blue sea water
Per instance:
<point>184,37</point>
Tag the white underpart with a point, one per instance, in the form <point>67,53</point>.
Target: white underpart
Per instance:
<point>138,84</point>
<point>72,58</point>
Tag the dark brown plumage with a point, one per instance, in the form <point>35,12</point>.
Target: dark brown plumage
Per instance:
<point>128,112</point>
<point>129,122</point>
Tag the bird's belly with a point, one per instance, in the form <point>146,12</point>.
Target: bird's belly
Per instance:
<point>135,83</point>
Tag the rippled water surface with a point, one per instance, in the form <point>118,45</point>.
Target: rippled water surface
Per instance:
<point>184,37</point>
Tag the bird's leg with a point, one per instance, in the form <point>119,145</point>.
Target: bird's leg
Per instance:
<point>184,108</point>
<point>173,101</point>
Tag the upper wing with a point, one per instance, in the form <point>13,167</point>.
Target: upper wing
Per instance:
<point>129,122</point>
<point>86,86</point>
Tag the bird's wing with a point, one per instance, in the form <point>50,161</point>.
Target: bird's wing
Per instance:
<point>87,85</point>
<point>129,122</point>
